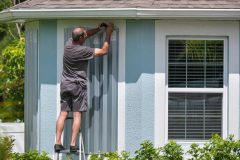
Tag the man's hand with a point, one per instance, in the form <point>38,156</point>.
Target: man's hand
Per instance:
<point>103,51</point>
<point>103,24</point>
<point>110,28</point>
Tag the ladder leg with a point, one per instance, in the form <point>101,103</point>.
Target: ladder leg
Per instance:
<point>80,146</point>
<point>83,151</point>
<point>56,156</point>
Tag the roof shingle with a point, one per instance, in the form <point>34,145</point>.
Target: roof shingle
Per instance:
<point>153,4</point>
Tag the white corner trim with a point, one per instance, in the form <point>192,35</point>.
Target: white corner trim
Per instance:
<point>27,14</point>
<point>160,122</point>
<point>121,85</point>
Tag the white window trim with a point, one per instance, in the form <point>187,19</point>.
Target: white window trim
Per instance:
<point>121,24</point>
<point>203,90</point>
<point>196,28</point>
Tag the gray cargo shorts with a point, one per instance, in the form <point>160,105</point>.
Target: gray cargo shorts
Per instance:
<point>74,98</point>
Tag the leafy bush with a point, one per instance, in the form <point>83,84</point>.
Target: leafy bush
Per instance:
<point>31,155</point>
<point>147,151</point>
<point>12,82</point>
<point>172,151</point>
<point>6,145</point>
<point>110,156</point>
<point>217,149</point>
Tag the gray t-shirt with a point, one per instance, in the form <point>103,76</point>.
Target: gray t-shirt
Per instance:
<point>75,64</point>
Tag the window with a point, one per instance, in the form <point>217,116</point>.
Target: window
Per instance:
<point>195,88</point>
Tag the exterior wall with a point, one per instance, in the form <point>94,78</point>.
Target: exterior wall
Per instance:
<point>31,100</point>
<point>191,28</point>
<point>47,83</point>
<point>139,112</point>
<point>142,92</point>
<point>40,85</point>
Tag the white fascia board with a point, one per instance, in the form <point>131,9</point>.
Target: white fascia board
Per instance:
<point>5,16</point>
<point>26,14</point>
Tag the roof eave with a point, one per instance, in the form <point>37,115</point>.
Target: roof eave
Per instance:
<point>26,14</point>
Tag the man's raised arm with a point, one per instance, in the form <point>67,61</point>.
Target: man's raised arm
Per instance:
<point>106,44</point>
<point>93,31</point>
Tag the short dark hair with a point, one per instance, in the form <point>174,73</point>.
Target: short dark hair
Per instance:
<point>77,35</point>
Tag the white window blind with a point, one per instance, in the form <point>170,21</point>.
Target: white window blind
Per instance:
<point>194,116</point>
<point>195,64</point>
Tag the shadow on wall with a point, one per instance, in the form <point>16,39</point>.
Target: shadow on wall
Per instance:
<point>140,49</point>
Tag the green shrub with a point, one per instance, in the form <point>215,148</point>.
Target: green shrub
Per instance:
<point>111,156</point>
<point>6,144</point>
<point>217,149</point>
<point>172,151</point>
<point>147,151</point>
<point>96,156</point>
<point>30,155</point>
<point>12,82</point>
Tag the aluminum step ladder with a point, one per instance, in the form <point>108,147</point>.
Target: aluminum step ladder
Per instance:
<point>80,152</point>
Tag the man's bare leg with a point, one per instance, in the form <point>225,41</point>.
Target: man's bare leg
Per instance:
<point>60,125</point>
<point>75,127</point>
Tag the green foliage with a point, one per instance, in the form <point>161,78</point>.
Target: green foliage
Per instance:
<point>68,157</point>
<point>111,156</point>
<point>5,4</point>
<point>12,81</point>
<point>125,155</point>
<point>147,151</point>
<point>31,155</point>
<point>216,149</point>
<point>6,145</point>
<point>7,31</point>
<point>172,151</point>
<point>96,156</point>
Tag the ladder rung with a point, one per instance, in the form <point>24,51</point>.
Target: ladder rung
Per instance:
<point>67,151</point>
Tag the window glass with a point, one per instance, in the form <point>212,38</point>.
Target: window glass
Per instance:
<point>194,116</point>
<point>195,63</point>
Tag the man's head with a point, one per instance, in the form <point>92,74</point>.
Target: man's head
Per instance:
<point>78,35</point>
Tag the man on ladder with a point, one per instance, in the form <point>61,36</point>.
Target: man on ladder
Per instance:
<point>74,80</point>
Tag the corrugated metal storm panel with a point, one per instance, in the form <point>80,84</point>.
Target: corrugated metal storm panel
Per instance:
<point>100,121</point>
<point>31,88</point>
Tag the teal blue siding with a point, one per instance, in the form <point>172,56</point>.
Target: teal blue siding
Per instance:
<point>31,88</point>
<point>47,83</point>
<point>140,68</point>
